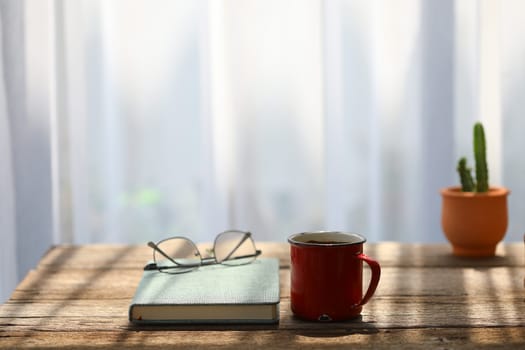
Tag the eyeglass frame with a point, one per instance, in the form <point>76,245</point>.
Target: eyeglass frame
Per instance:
<point>203,261</point>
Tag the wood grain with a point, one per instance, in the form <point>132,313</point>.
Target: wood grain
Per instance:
<point>336,338</point>
<point>78,297</point>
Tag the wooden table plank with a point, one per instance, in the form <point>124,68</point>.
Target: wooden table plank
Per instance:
<point>67,283</point>
<point>434,338</point>
<point>387,253</point>
<point>440,255</point>
<point>382,313</point>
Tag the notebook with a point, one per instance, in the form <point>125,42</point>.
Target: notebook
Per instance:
<point>210,294</point>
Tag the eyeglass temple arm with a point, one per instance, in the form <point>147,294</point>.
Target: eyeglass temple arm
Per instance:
<point>257,253</point>
<point>153,266</point>
<point>244,238</point>
<point>156,247</point>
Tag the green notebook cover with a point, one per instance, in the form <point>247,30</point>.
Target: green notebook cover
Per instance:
<point>210,294</point>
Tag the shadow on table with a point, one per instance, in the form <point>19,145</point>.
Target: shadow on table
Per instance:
<point>296,326</point>
<point>203,327</point>
<point>332,329</point>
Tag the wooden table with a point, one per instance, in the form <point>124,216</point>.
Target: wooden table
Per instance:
<point>78,297</point>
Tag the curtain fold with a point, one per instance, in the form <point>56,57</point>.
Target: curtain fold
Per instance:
<point>26,142</point>
<point>8,256</point>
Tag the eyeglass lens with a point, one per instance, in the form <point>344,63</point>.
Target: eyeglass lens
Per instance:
<point>181,250</point>
<point>234,248</point>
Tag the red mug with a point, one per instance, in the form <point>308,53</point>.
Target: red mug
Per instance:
<point>327,275</point>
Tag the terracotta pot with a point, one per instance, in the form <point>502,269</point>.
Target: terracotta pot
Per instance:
<point>474,223</point>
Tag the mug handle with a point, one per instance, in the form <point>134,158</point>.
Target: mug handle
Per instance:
<point>374,280</point>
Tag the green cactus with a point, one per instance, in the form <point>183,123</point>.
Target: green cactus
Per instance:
<point>467,183</point>
<point>482,173</point>
<point>480,158</point>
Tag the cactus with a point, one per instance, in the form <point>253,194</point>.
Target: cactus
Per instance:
<point>480,158</point>
<point>467,183</point>
<point>482,174</point>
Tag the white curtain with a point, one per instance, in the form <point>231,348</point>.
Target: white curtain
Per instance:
<point>158,118</point>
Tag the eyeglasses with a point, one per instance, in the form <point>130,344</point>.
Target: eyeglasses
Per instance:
<point>180,254</point>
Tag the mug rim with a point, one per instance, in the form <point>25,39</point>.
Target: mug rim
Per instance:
<point>291,239</point>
